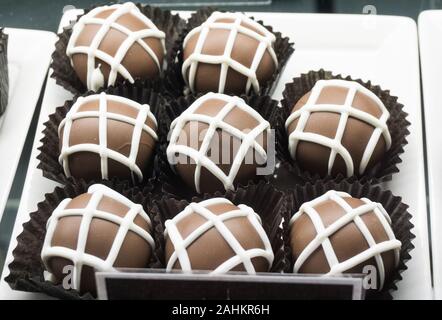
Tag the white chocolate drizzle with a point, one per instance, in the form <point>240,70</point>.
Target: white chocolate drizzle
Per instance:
<point>97,78</point>
<point>242,256</point>
<point>248,139</point>
<point>265,39</point>
<point>115,62</point>
<point>79,257</point>
<point>101,149</point>
<point>352,215</point>
<point>345,110</point>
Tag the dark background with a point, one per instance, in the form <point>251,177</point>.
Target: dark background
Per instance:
<point>45,15</point>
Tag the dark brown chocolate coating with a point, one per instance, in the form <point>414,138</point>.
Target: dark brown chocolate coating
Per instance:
<point>87,165</point>
<point>224,148</point>
<point>137,61</point>
<point>210,250</point>
<point>314,157</point>
<point>346,242</point>
<point>134,253</point>
<point>208,75</point>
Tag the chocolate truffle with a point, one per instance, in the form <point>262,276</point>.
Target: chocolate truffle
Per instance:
<point>335,234</point>
<point>228,53</point>
<point>97,231</point>
<point>217,142</point>
<point>116,41</point>
<point>339,127</point>
<point>4,78</point>
<point>218,236</point>
<point>105,136</point>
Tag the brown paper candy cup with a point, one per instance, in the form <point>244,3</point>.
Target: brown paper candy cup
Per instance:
<point>4,79</point>
<point>397,124</point>
<point>397,210</point>
<point>265,200</point>
<point>26,270</point>
<point>141,92</point>
<point>171,182</point>
<point>66,76</point>
<point>174,82</point>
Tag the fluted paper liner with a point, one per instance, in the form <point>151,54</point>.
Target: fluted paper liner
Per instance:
<point>266,201</point>
<point>4,77</point>
<point>65,75</point>
<point>397,210</point>
<point>171,182</point>
<point>174,83</point>
<point>397,125</point>
<point>141,92</point>
<point>26,270</point>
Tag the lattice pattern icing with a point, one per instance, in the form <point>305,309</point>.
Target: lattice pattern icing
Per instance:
<point>79,257</point>
<point>95,78</point>
<point>265,40</point>
<point>242,256</point>
<point>346,110</point>
<point>200,156</point>
<point>352,215</point>
<point>101,149</point>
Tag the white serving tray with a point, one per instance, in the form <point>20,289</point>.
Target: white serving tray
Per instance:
<point>430,31</point>
<point>379,48</point>
<point>29,54</point>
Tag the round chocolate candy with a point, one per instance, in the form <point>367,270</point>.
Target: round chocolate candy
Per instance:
<point>96,231</point>
<point>228,53</point>
<point>115,42</point>
<point>339,127</point>
<point>218,236</point>
<point>105,136</point>
<point>217,142</point>
<point>336,233</point>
